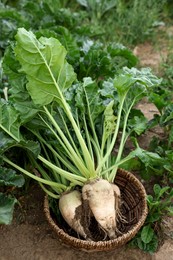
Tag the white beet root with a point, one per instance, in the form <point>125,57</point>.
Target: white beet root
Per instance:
<point>98,198</point>
<point>69,203</point>
<point>102,202</point>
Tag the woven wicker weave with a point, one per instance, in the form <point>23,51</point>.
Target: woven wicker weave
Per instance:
<point>133,208</point>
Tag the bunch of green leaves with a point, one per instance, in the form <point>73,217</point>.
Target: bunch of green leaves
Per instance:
<point>91,57</point>
<point>8,178</point>
<point>101,62</point>
<point>10,19</point>
<point>149,163</point>
<point>163,147</point>
<point>159,165</point>
<point>43,15</point>
<point>68,129</point>
<point>88,56</point>
<point>162,98</point>
<point>159,204</point>
<point>135,20</point>
<point>36,16</point>
<point>97,9</point>
<point>127,22</point>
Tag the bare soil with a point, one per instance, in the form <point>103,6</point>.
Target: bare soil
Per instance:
<point>29,237</point>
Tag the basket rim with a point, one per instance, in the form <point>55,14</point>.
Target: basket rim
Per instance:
<point>102,245</point>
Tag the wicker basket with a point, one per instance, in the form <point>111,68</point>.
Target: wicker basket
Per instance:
<point>133,208</point>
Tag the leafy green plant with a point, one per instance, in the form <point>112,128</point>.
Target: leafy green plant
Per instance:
<point>163,147</point>
<point>129,22</point>
<point>132,20</point>
<point>162,95</point>
<point>135,20</point>
<point>159,204</point>
<point>72,127</point>
<point>162,98</point>
<point>37,15</point>
<point>97,9</point>
<point>101,62</point>
<point>87,55</point>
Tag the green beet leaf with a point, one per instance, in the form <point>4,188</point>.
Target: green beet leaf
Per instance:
<point>9,177</point>
<point>6,142</point>
<point>138,124</point>
<point>147,234</point>
<point>117,49</point>
<point>9,120</point>
<point>6,208</point>
<point>44,63</point>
